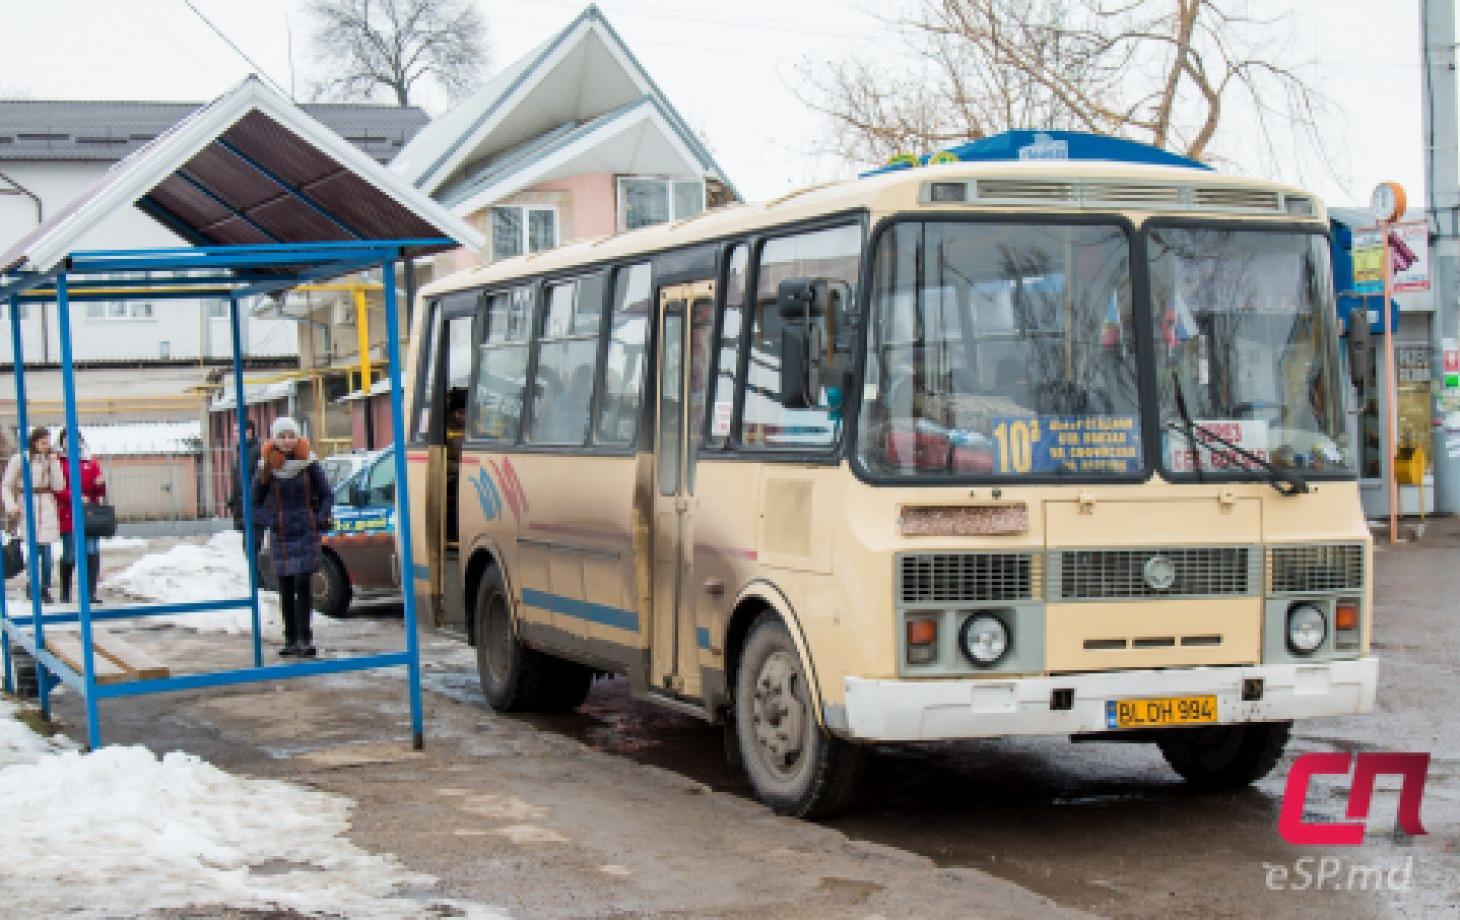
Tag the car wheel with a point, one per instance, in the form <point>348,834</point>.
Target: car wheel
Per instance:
<point>796,767</point>
<point>516,678</point>
<point>1222,757</point>
<point>330,588</point>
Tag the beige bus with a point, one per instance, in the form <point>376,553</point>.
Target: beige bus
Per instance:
<point>953,452</point>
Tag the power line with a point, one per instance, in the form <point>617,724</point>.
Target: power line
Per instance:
<point>251,62</point>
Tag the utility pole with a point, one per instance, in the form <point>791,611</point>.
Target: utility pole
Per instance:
<point>1442,199</point>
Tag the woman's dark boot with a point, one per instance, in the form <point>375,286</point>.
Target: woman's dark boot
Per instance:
<point>67,569</point>
<point>93,574</point>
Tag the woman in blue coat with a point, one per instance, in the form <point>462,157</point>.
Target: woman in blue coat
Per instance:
<point>292,498</point>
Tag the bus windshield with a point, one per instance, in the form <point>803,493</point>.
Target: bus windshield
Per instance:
<point>1244,334</point>
<point>1001,349</point>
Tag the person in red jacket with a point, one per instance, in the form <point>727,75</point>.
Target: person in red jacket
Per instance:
<point>93,489</point>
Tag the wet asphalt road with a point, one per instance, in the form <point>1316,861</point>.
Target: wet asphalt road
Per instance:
<point>1110,829</point>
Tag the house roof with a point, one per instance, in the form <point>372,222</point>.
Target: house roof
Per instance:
<point>579,75</point>
<point>249,168</point>
<point>635,138</point>
<point>61,130</point>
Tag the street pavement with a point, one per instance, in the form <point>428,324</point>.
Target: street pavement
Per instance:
<point>625,809</point>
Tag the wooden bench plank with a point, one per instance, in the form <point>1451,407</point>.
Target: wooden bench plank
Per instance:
<point>67,647</point>
<point>138,664</point>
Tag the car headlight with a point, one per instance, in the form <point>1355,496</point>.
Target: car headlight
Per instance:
<point>1307,628</point>
<point>984,639</point>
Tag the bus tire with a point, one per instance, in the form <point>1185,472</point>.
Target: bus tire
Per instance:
<point>795,767</point>
<point>330,588</point>
<point>1221,757</point>
<point>514,677</point>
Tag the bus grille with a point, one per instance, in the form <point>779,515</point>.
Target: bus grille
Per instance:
<point>1304,569</point>
<point>958,578</point>
<point>1109,574</point>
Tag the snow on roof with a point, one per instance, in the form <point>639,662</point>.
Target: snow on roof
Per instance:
<point>254,394</point>
<point>143,438</point>
<point>380,386</point>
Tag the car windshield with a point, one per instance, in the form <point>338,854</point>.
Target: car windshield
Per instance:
<point>1244,335</point>
<point>1001,350</point>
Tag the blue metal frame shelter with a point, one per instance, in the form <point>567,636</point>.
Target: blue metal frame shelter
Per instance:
<point>229,273</point>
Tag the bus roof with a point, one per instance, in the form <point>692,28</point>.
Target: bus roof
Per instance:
<point>1050,186</point>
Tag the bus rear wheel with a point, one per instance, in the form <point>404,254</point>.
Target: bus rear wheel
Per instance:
<point>796,768</point>
<point>1222,757</point>
<point>514,677</point>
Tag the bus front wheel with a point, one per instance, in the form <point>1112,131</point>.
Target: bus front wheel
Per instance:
<point>796,768</point>
<point>514,677</point>
<point>1224,756</point>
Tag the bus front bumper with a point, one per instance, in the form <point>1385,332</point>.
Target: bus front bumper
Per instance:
<point>934,709</point>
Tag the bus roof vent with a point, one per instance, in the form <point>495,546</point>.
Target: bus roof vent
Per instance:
<point>1017,190</point>
<point>1133,194</point>
<point>1229,198</point>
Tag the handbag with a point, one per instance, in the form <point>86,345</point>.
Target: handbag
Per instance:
<point>14,558</point>
<point>101,520</point>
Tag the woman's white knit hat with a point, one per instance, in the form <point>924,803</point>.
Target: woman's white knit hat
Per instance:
<point>282,424</point>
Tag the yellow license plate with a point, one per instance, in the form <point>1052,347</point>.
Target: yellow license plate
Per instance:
<point>1160,710</point>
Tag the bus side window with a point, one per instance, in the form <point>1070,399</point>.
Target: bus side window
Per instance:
<point>835,254</point>
<point>502,367</point>
<point>567,353</point>
<point>623,371</point>
<point>425,385</point>
<point>728,362</point>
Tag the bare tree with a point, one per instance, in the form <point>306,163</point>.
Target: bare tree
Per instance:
<point>371,46</point>
<point>1166,72</point>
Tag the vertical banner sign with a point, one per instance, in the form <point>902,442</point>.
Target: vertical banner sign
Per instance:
<point>1409,255</point>
<point>1452,364</point>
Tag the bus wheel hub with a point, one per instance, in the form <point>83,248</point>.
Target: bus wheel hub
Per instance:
<point>779,712</point>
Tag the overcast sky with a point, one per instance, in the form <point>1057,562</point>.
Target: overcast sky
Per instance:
<point>733,70</point>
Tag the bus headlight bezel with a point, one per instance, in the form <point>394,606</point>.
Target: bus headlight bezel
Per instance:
<point>1302,617</point>
<point>994,639</point>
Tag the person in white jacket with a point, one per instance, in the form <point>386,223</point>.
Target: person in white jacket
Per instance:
<point>46,481</point>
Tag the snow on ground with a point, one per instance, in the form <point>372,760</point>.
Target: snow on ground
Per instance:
<point>119,831</point>
<point>187,572</point>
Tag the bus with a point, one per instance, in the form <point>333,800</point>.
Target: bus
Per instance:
<point>964,451</point>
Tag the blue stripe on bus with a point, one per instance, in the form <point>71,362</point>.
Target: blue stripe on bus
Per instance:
<point>702,637</point>
<point>583,610</point>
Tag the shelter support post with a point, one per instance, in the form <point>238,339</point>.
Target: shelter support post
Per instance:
<point>245,479</point>
<point>28,506</point>
<point>78,515</point>
<point>403,507</point>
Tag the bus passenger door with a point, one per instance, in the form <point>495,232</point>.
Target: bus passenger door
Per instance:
<point>443,395</point>
<point>684,341</point>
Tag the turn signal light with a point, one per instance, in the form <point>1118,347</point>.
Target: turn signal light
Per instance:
<point>1346,616</point>
<point>922,641</point>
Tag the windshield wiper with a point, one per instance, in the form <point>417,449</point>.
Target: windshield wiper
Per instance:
<point>1284,482</point>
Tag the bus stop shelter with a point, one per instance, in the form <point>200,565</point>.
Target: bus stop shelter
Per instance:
<point>268,199</point>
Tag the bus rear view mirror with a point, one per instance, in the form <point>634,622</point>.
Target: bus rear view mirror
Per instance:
<point>801,302</point>
<point>800,366</point>
<point>1360,350</point>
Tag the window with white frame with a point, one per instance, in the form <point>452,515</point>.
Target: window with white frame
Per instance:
<point>117,309</point>
<point>523,228</point>
<point>643,200</point>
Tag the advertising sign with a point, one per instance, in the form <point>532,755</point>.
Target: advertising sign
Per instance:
<point>1248,434</point>
<point>1409,257</point>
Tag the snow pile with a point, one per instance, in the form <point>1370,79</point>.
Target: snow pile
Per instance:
<point>18,744</point>
<point>190,572</point>
<point>121,831</point>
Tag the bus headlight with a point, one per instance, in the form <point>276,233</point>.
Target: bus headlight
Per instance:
<point>1307,628</point>
<point>984,639</point>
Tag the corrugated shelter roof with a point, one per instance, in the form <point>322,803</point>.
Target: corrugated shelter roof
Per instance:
<point>249,168</point>
<point>93,131</point>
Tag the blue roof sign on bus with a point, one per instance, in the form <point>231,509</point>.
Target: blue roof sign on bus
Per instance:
<point>1044,145</point>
